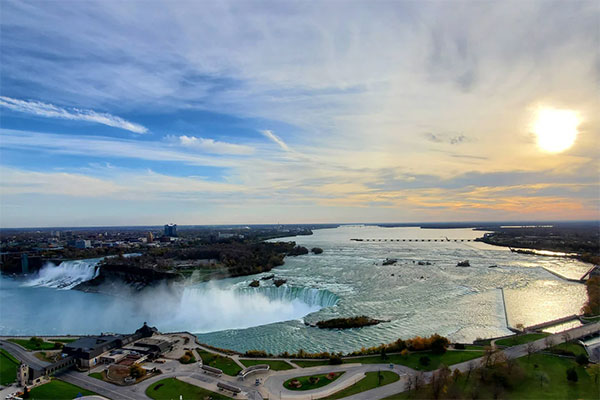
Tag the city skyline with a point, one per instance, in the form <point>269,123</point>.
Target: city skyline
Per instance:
<point>266,112</point>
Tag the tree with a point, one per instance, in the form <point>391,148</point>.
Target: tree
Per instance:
<point>530,349</point>
<point>36,342</point>
<point>25,392</point>
<point>438,345</point>
<point>419,381</point>
<point>470,368</point>
<point>542,377</point>
<point>572,375</point>
<point>137,371</point>
<point>549,342</point>
<point>424,361</point>
<point>383,354</point>
<point>335,359</point>
<point>582,359</point>
<point>439,380</point>
<point>456,374</point>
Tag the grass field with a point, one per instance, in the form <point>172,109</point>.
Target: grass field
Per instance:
<point>8,368</point>
<point>97,375</point>
<point>32,346</point>
<point>574,348</point>
<point>276,365</point>
<point>370,381</point>
<point>411,360</point>
<point>310,363</point>
<point>307,385</point>
<point>57,390</point>
<point>521,339</point>
<point>225,364</point>
<point>171,388</point>
<point>553,385</point>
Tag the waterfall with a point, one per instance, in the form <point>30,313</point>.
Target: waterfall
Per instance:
<point>310,296</point>
<point>66,275</point>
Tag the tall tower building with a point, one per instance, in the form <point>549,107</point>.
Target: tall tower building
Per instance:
<point>171,230</point>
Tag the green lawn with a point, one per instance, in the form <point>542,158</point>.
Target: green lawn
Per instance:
<point>97,375</point>
<point>171,388</point>
<point>225,364</point>
<point>574,348</point>
<point>307,385</point>
<point>276,365</point>
<point>370,381</point>
<point>31,346</point>
<point>310,363</point>
<point>411,360</point>
<point>555,385</point>
<point>58,390</point>
<point>8,368</point>
<point>521,339</point>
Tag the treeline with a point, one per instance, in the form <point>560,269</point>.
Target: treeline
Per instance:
<point>239,258</point>
<point>592,305</point>
<point>436,343</point>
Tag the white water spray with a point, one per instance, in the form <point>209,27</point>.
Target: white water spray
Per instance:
<point>66,275</point>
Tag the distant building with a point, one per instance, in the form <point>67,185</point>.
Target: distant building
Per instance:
<point>83,244</point>
<point>149,237</point>
<point>171,230</point>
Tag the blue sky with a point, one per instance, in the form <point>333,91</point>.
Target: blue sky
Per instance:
<point>137,113</point>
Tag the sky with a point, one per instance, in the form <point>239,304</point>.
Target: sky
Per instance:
<point>241,112</point>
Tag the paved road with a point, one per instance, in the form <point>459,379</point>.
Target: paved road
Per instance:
<point>511,352</point>
<point>273,384</point>
<point>22,354</point>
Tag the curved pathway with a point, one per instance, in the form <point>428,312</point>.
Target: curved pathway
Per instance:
<point>273,384</point>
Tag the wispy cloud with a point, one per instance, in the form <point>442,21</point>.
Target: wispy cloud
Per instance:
<point>104,147</point>
<point>210,145</point>
<point>273,137</point>
<point>51,111</point>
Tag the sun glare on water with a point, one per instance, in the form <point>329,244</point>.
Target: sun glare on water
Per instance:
<point>556,130</point>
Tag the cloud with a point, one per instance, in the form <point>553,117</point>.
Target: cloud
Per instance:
<point>271,136</point>
<point>99,146</point>
<point>51,111</point>
<point>210,145</point>
<point>444,138</point>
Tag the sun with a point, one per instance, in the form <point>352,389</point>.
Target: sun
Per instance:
<point>556,130</point>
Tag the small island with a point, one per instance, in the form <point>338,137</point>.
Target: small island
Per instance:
<point>348,323</point>
<point>316,250</point>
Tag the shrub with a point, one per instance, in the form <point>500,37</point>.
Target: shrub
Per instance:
<point>136,371</point>
<point>459,346</point>
<point>58,346</point>
<point>424,361</point>
<point>256,353</point>
<point>313,380</point>
<point>582,359</point>
<point>335,360</point>
<point>36,342</point>
<point>572,375</point>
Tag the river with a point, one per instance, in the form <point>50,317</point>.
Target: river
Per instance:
<point>348,278</point>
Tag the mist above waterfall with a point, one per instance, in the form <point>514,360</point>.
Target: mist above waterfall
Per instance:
<point>190,306</point>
